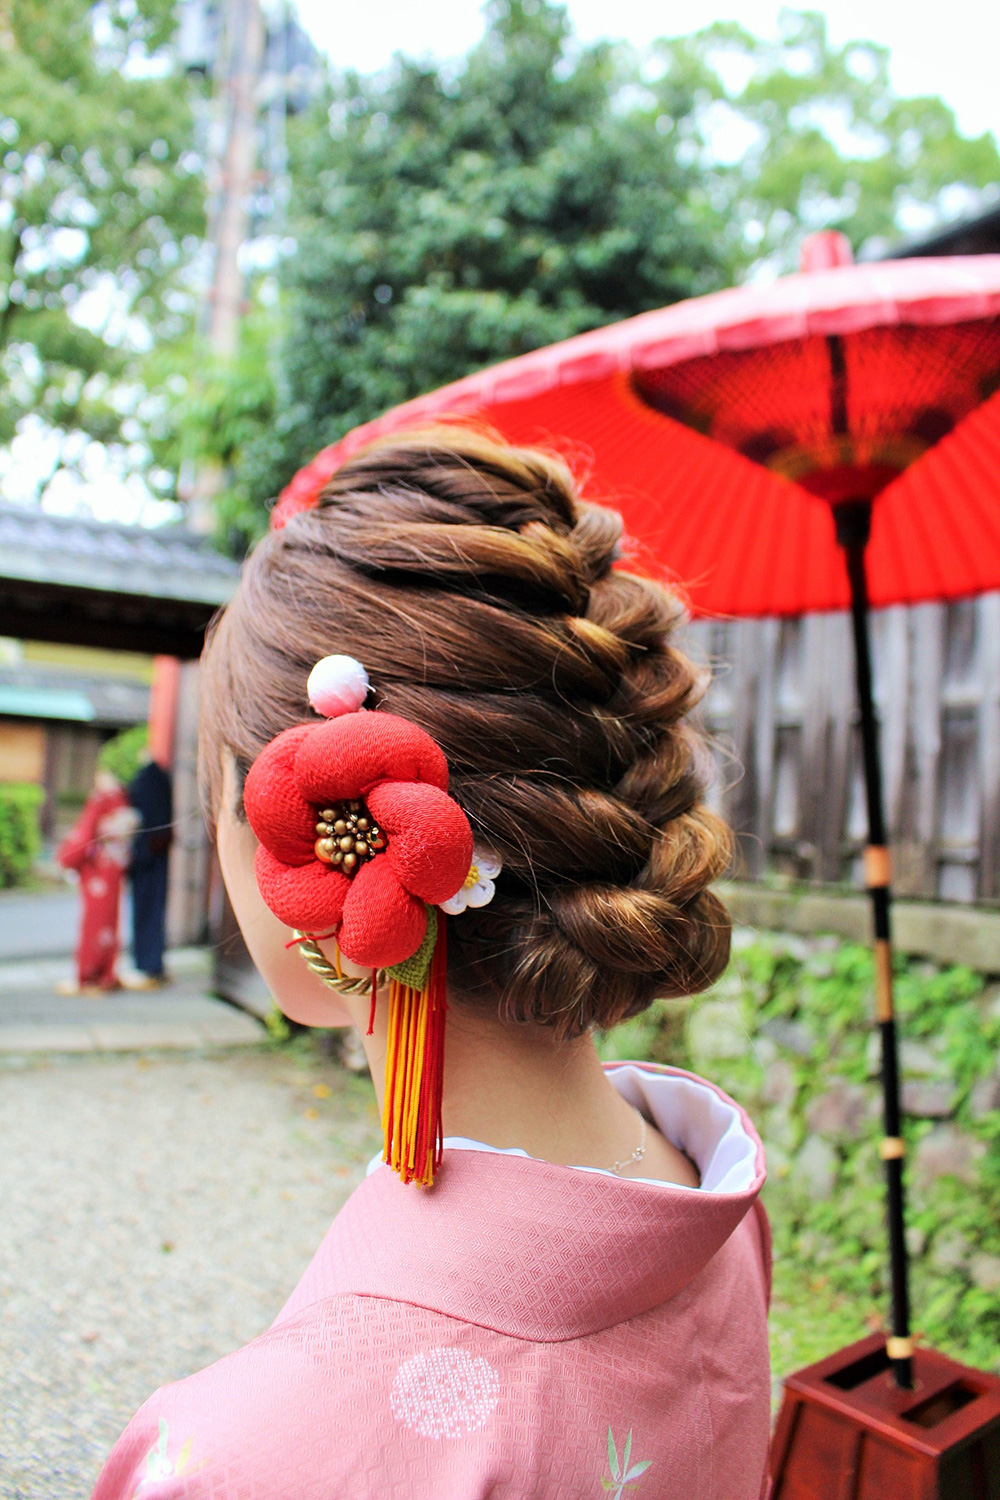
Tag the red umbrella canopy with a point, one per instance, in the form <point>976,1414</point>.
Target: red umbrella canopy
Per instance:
<point>726,428</point>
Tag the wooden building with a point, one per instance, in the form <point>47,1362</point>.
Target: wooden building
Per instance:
<point>147,591</point>
<point>57,713</point>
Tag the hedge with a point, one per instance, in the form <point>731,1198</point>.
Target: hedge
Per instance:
<point>20,835</point>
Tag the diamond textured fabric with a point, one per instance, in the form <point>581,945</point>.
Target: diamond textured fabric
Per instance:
<point>506,1335</point>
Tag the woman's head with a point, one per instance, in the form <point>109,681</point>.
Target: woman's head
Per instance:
<point>478,592</point>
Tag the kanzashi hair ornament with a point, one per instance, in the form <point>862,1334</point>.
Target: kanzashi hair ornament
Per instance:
<point>360,842</point>
<point>478,887</point>
<point>337,685</point>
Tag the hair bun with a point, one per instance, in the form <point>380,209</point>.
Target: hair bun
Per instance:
<point>481,594</point>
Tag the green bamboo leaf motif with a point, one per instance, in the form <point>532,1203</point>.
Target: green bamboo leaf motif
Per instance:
<point>616,1472</point>
<point>622,1476</point>
<point>162,1445</point>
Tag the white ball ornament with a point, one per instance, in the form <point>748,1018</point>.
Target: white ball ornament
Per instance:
<point>337,685</point>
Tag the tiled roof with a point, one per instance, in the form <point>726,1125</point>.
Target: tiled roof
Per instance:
<point>978,236</point>
<point>165,562</point>
<point>30,691</point>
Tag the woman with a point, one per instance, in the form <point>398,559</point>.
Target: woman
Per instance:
<point>97,848</point>
<point>554,1282</point>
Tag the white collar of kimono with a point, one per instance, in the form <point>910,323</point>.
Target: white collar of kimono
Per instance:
<point>693,1116</point>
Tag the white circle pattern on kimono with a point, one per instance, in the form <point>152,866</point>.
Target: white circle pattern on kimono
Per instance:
<point>445,1393</point>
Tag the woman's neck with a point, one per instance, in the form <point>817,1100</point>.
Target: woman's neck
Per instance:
<point>520,1086</point>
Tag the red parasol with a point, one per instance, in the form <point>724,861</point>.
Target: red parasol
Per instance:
<point>713,426</point>
<point>758,439</point>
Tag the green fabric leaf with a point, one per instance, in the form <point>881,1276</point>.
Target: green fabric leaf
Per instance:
<point>413,971</point>
<point>638,1469</point>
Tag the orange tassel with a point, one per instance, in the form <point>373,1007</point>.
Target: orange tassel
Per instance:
<point>414,1073</point>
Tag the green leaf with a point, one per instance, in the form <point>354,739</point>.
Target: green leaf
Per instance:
<point>638,1469</point>
<point>613,1457</point>
<point>628,1450</point>
<point>413,970</point>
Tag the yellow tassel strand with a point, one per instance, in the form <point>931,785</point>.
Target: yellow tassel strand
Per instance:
<point>414,1074</point>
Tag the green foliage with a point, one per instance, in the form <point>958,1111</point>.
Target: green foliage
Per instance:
<point>122,756</point>
<point>20,838</point>
<point>101,216</point>
<point>445,218</point>
<point>222,413</point>
<point>830,1255</point>
<point>818,139</point>
<point>278,1030</point>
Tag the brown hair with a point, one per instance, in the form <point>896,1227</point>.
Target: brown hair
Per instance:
<point>478,591</point>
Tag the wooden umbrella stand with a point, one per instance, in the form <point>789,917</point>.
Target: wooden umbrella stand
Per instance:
<point>883,1419</point>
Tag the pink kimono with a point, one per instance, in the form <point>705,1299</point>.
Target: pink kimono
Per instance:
<point>519,1330</point>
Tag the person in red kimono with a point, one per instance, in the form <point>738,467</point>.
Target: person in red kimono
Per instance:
<point>97,848</point>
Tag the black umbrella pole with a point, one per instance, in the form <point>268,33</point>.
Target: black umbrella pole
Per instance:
<point>852,534</point>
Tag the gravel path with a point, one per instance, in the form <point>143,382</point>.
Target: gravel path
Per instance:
<point>154,1214</point>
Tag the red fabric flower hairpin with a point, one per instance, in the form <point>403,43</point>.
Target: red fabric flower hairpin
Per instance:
<point>359,840</point>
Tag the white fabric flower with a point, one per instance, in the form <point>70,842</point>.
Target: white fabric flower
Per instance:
<point>478,888</point>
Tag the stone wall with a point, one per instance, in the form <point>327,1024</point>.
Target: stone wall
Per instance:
<point>946,932</point>
<point>788,1032</point>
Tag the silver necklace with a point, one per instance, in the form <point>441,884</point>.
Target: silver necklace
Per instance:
<point>637,1154</point>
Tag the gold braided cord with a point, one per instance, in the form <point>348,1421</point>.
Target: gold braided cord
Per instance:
<point>321,966</point>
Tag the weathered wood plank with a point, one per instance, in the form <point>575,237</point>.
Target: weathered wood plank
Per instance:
<point>784,705</point>
<point>916,825</point>
<point>190,855</point>
<point>988,632</point>
<point>842,712</point>
<point>743,801</point>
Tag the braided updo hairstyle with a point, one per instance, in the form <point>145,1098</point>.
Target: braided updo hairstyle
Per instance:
<point>479,592</point>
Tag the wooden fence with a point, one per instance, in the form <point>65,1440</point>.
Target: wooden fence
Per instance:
<point>782,706</point>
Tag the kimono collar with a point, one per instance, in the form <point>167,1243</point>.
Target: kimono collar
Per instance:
<point>535,1250</point>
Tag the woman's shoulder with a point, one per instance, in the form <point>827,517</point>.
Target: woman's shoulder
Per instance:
<point>222,1430</point>
<point>368,1397</point>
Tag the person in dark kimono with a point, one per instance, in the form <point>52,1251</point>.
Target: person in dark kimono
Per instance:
<point>150,794</point>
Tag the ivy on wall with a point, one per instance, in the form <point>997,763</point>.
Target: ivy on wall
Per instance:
<point>788,1032</point>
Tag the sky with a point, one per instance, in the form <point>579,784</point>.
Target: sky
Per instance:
<point>946,49</point>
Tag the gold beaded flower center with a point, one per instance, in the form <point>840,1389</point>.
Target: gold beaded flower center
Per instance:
<point>347,836</point>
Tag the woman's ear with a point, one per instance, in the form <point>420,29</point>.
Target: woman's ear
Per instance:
<point>300,994</point>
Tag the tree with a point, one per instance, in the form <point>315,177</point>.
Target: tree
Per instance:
<point>101,218</point>
<point>444,219</point>
<point>817,139</point>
